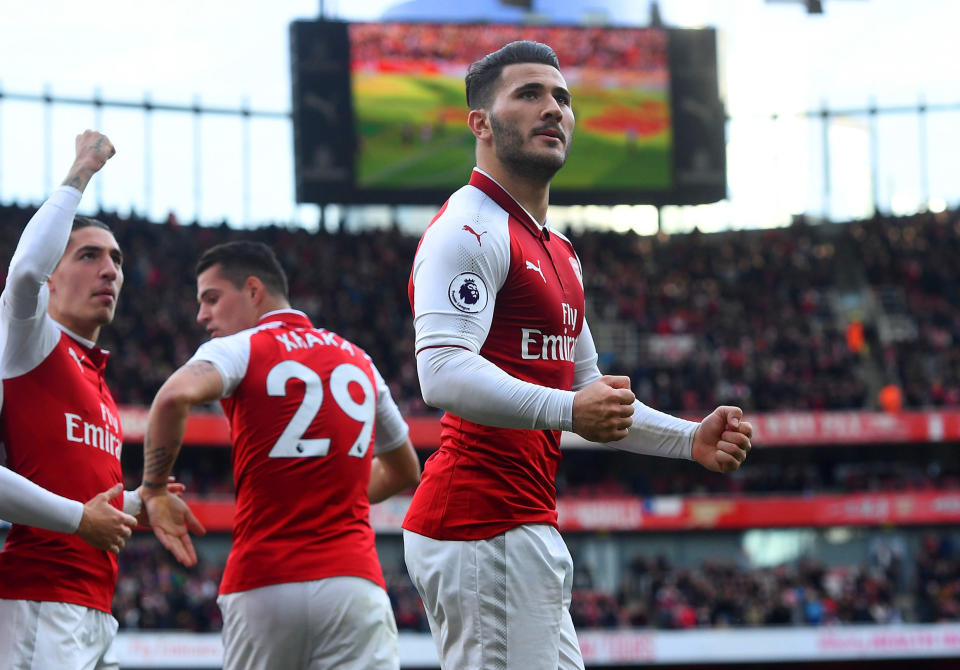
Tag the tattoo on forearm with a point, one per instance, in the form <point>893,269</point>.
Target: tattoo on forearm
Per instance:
<point>75,180</point>
<point>157,464</point>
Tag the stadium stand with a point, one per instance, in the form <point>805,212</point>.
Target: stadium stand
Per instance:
<point>757,318</point>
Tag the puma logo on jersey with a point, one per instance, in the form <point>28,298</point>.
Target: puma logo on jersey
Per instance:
<point>77,358</point>
<point>475,234</point>
<point>536,268</point>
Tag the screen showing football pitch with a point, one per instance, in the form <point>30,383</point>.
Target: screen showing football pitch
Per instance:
<point>410,112</point>
<point>380,112</point>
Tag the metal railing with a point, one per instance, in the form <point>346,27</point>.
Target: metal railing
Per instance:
<point>815,181</point>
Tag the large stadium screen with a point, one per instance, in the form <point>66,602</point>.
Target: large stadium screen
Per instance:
<point>408,99</point>
<point>402,135</point>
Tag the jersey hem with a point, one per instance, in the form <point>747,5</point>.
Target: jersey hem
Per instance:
<point>484,532</point>
<point>249,585</point>
<point>70,600</point>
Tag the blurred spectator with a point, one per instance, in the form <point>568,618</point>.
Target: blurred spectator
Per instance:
<point>775,338</point>
<point>890,398</point>
<point>155,592</point>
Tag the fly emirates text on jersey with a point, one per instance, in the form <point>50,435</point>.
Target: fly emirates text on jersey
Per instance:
<point>535,345</point>
<point>105,437</point>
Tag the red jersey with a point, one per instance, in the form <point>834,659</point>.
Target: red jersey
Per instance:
<point>302,403</point>
<point>488,278</point>
<point>61,431</point>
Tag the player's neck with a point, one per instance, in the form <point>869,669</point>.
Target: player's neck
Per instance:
<point>268,306</point>
<point>81,329</point>
<point>533,194</point>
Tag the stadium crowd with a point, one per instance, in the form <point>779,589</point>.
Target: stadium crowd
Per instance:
<point>755,318</point>
<point>613,49</point>
<point>806,471</point>
<point>155,592</point>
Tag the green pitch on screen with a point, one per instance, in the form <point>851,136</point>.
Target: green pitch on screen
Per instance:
<point>413,134</point>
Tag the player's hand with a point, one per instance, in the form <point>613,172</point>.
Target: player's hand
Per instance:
<point>173,487</point>
<point>172,523</point>
<point>722,441</point>
<point>603,411</point>
<point>94,149</point>
<point>103,525</point>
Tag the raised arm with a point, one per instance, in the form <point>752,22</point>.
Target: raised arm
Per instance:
<point>195,383</point>
<point>48,231</point>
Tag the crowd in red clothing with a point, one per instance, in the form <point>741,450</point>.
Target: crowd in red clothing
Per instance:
<point>754,318</point>
<point>155,592</point>
<point>615,49</point>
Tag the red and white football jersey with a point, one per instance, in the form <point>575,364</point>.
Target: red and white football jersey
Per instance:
<point>59,425</point>
<point>307,411</point>
<point>61,430</point>
<point>487,278</point>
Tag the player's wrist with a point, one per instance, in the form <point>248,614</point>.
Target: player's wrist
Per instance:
<point>79,176</point>
<point>152,489</point>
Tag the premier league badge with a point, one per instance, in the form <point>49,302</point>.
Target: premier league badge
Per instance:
<point>468,293</point>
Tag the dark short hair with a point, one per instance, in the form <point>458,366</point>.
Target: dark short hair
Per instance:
<point>483,75</point>
<point>87,222</point>
<point>241,259</point>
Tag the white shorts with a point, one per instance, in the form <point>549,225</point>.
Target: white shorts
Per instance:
<point>46,635</point>
<point>339,622</point>
<point>498,604</point>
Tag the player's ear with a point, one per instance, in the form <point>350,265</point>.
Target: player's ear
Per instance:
<point>479,122</point>
<point>254,288</point>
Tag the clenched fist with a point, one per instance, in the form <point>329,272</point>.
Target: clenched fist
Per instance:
<point>94,149</point>
<point>603,411</point>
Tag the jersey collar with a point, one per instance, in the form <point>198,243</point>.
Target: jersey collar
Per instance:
<point>293,317</point>
<point>97,355</point>
<point>88,344</point>
<point>481,180</point>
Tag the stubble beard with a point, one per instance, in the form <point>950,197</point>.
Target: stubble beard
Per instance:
<point>508,144</point>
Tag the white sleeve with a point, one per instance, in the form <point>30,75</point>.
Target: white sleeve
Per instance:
<point>132,503</point>
<point>445,255</point>
<point>41,246</point>
<point>472,387</point>
<point>656,433</point>
<point>392,430</point>
<point>25,503</point>
<point>28,334</point>
<point>453,375</point>
<point>230,355</point>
